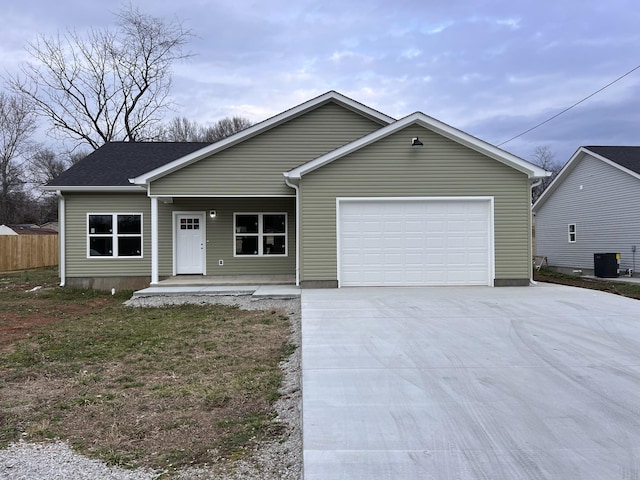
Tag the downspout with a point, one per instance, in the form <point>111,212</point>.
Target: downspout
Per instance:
<point>296,186</point>
<point>61,238</point>
<point>533,185</point>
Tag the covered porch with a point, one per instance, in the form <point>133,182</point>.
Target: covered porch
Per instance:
<point>226,280</point>
<point>214,242</point>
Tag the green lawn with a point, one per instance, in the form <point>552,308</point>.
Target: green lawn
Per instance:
<point>156,387</point>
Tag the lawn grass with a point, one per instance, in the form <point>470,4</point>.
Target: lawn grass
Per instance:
<point>631,290</point>
<point>156,387</point>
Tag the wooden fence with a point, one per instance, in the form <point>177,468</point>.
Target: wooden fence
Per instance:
<point>21,252</point>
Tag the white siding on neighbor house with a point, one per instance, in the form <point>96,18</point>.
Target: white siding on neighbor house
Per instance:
<point>604,204</point>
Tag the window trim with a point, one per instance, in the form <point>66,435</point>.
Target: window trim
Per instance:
<point>260,235</point>
<point>114,235</point>
<point>572,233</point>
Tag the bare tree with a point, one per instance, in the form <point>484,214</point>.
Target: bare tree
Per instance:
<point>17,124</point>
<point>107,85</point>
<point>225,128</point>
<point>45,165</point>
<point>76,156</point>
<point>181,129</point>
<point>544,158</point>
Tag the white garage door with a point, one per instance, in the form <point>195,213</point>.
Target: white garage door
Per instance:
<point>414,242</point>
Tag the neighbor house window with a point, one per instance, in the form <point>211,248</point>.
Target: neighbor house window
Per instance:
<point>114,235</point>
<point>260,234</point>
<point>572,233</point>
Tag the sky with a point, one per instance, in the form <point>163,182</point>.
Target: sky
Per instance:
<point>493,69</point>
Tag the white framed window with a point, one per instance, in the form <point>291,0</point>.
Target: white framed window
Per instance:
<point>260,234</point>
<point>113,235</point>
<point>572,232</point>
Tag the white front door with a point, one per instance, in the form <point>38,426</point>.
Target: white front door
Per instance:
<point>190,243</point>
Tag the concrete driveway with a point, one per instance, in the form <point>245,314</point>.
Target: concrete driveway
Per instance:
<point>470,383</point>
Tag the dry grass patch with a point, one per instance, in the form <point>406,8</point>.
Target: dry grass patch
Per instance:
<point>631,290</point>
<point>157,387</point>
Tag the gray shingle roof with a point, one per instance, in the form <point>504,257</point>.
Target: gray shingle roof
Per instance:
<point>114,163</point>
<point>628,157</point>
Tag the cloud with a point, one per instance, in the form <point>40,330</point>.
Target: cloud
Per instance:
<point>435,29</point>
<point>411,53</point>
<point>494,69</point>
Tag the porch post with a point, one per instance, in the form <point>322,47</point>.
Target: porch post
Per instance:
<point>154,240</point>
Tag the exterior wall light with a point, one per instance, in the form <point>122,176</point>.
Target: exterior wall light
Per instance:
<point>416,142</point>
<point>212,213</point>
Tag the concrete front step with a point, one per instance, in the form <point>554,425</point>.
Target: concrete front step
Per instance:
<point>257,291</point>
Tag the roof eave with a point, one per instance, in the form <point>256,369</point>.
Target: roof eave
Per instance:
<point>532,171</point>
<point>91,188</point>
<point>611,162</point>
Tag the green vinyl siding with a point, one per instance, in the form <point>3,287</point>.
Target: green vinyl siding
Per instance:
<point>220,235</point>
<point>255,166</point>
<point>392,168</point>
<point>77,206</point>
<point>219,230</point>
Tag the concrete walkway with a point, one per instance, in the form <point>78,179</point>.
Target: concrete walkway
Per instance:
<point>470,383</point>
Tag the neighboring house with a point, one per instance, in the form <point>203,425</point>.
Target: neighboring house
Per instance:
<point>26,229</point>
<point>6,230</point>
<point>50,226</point>
<point>591,207</point>
<point>329,193</point>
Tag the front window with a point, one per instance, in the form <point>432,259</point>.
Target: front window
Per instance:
<point>260,234</point>
<point>114,235</point>
<point>572,233</point>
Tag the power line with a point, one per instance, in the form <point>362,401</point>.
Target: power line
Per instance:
<point>572,106</point>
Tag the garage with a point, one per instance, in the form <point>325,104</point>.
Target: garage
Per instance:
<point>415,241</point>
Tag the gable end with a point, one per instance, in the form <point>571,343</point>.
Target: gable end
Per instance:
<point>262,127</point>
